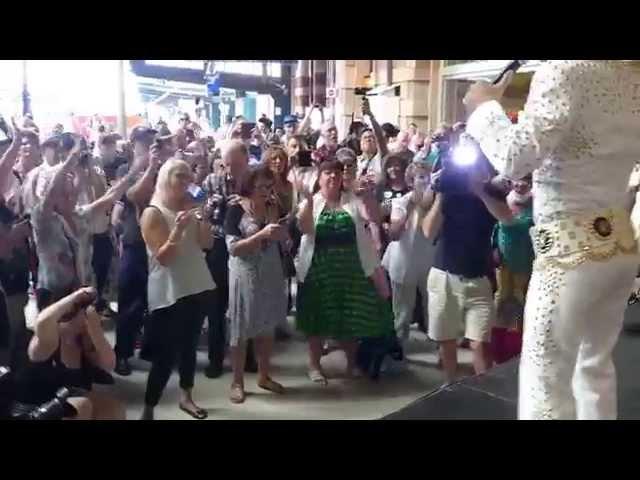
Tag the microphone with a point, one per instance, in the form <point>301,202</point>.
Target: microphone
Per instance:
<point>513,66</point>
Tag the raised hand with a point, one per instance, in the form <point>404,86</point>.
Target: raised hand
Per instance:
<point>182,220</point>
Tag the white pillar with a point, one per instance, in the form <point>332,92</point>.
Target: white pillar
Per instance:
<point>122,110</point>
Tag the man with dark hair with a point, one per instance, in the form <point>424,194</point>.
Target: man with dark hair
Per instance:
<point>133,267</point>
<point>390,132</point>
<point>461,222</point>
<point>373,145</point>
<point>108,159</point>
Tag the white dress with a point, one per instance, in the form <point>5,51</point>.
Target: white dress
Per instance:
<point>257,292</point>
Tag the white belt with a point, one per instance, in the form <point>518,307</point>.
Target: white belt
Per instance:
<point>596,236</point>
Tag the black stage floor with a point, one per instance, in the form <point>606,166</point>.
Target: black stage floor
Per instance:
<point>494,396</point>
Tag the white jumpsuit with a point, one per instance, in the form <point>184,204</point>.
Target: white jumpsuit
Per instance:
<point>580,135</point>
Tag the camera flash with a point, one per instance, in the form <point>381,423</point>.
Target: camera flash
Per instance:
<point>465,155</point>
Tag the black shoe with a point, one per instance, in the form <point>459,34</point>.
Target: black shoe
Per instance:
<point>213,371</point>
<point>122,367</point>
<point>282,334</point>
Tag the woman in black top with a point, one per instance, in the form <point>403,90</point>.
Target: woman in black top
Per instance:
<point>67,345</point>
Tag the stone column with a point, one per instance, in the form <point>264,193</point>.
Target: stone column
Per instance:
<point>302,87</point>
<point>414,78</point>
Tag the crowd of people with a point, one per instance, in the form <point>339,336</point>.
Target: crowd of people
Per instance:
<point>360,237</point>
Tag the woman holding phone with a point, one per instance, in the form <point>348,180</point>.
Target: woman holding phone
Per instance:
<point>257,297</point>
<point>179,285</point>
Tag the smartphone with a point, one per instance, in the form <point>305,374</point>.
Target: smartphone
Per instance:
<point>247,128</point>
<point>304,158</point>
<point>284,220</point>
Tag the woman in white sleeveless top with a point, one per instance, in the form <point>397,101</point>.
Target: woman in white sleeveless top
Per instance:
<point>179,284</point>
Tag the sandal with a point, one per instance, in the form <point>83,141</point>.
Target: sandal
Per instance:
<point>316,376</point>
<point>271,386</point>
<point>237,394</point>
<point>198,414</point>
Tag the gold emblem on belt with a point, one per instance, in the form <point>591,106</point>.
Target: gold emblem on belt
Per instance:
<point>543,241</point>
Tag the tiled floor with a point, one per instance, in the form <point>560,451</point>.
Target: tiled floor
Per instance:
<point>341,400</point>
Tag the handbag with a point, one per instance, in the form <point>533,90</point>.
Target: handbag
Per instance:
<point>288,264</point>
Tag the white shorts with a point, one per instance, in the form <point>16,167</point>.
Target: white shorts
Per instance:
<point>458,304</point>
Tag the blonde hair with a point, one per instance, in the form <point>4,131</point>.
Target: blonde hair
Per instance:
<point>164,176</point>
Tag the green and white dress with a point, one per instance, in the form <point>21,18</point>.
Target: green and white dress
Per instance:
<point>337,300</point>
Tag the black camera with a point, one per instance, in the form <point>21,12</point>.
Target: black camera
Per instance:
<point>218,209</point>
<point>303,158</point>
<point>456,164</point>
<point>55,409</point>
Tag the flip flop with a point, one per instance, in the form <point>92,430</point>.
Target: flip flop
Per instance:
<point>237,394</point>
<point>199,414</point>
<point>271,386</point>
<point>316,376</point>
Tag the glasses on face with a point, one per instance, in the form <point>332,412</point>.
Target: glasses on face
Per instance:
<point>350,167</point>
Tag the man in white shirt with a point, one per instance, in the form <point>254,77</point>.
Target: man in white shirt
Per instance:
<point>373,145</point>
<point>578,134</point>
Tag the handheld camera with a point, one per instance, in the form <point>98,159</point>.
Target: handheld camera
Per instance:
<point>457,162</point>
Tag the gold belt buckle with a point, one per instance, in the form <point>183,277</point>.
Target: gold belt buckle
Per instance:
<point>601,228</point>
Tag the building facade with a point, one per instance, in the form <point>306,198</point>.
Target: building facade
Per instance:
<point>424,92</point>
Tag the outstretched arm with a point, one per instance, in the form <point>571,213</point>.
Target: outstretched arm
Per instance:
<point>517,150</point>
<point>8,160</point>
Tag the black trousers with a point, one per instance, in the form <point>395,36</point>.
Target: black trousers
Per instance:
<point>101,262</point>
<point>218,263</point>
<point>132,298</point>
<point>172,339</point>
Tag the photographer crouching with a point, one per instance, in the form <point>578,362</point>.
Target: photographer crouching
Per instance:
<point>461,221</point>
<point>68,344</point>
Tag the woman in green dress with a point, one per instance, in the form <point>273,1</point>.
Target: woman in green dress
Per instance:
<point>337,261</point>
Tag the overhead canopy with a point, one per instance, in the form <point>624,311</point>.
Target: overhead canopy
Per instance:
<point>236,81</point>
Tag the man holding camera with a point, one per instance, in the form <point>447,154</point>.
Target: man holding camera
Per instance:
<point>132,275</point>
<point>461,222</point>
<point>578,134</point>
<point>222,190</point>
<point>373,146</point>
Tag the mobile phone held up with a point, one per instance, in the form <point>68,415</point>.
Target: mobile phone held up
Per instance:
<point>513,66</point>
<point>304,158</point>
<point>247,128</point>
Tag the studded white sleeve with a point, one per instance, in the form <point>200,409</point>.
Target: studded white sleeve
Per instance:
<point>517,150</point>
